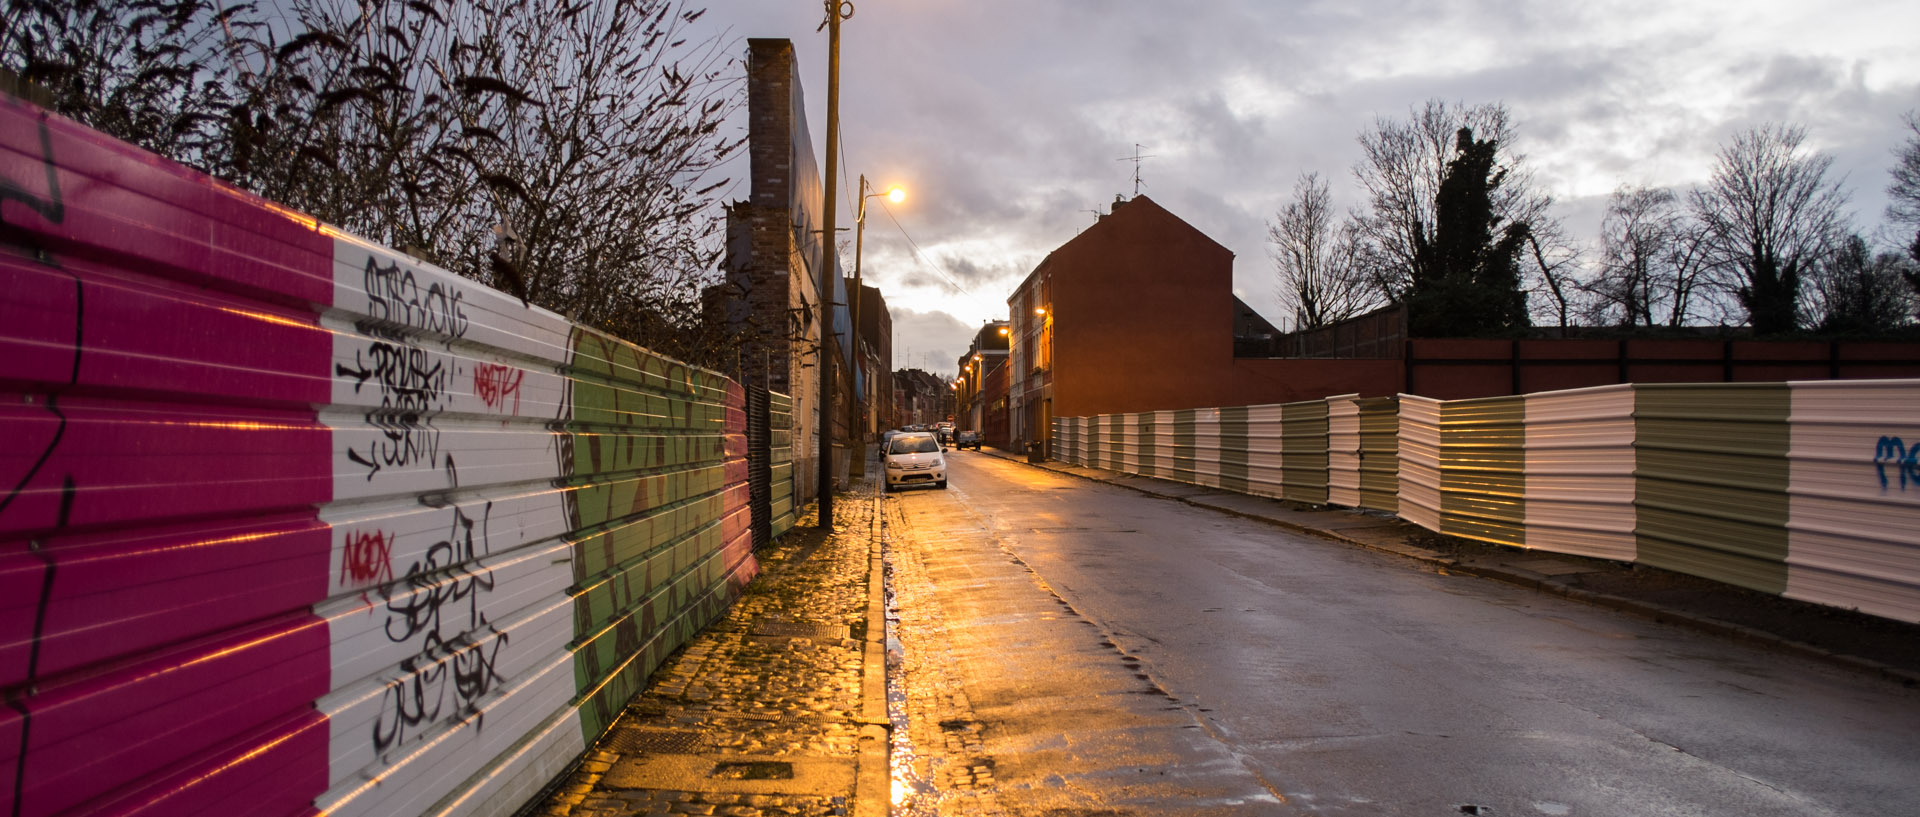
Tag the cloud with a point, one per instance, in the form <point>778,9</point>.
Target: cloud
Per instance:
<point>929,340</point>
<point>1004,118</point>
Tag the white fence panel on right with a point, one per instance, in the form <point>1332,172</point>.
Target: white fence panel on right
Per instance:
<point>1853,528</point>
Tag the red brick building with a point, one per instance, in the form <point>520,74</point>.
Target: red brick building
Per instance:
<point>1137,313</point>
<point>981,393</point>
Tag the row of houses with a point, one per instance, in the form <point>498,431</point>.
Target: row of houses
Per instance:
<point>775,263</point>
<point>1137,314</point>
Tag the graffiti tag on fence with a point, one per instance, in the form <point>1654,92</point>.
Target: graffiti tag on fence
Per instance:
<point>395,296</point>
<point>494,384</point>
<point>455,665</point>
<point>1905,461</point>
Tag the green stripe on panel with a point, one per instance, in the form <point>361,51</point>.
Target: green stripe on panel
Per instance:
<point>1380,453</point>
<point>1148,428</point>
<point>1184,444</point>
<point>1234,459</point>
<point>1483,469</point>
<point>1304,431</point>
<point>1710,481</point>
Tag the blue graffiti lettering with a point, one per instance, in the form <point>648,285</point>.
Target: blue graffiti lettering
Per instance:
<point>1905,461</point>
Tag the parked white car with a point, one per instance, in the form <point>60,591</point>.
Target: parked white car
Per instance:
<point>915,459</point>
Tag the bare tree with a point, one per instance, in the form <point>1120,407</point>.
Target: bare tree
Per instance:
<point>1904,192</point>
<point>563,150</point>
<point>149,72</point>
<point>1650,265</point>
<point>1855,291</point>
<point>1401,173</point>
<point>1314,259</point>
<point>1768,215</point>
<point>1551,269</point>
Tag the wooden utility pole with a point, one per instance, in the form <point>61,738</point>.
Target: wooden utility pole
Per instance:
<point>829,259</point>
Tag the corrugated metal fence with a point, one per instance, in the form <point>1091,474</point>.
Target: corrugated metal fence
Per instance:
<point>294,522</point>
<point>1806,489</point>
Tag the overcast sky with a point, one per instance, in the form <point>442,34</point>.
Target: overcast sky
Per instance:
<point>1005,118</point>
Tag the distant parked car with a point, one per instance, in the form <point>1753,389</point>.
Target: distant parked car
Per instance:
<point>914,459</point>
<point>967,439</point>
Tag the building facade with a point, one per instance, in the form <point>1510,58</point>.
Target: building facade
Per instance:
<point>1137,313</point>
<point>980,393</point>
<point>774,266</point>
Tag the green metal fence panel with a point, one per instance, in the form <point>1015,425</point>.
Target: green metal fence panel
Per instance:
<point>1140,433</point>
<point>1096,445</point>
<point>1853,530</point>
<point>1483,469</point>
<point>1165,458</point>
<point>1379,453</point>
<point>1233,449</point>
<point>1419,457</point>
<point>1183,433</point>
<point>1711,477</point>
<point>1305,451</point>
<point>1579,472</point>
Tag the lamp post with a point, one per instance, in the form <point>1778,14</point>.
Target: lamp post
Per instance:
<point>894,194</point>
<point>837,10</point>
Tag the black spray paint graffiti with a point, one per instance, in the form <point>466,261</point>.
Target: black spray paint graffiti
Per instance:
<point>395,297</point>
<point>1892,451</point>
<point>413,389</point>
<point>413,381</point>
<point>451,672</point>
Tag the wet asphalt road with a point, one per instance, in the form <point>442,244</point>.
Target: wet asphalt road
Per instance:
<point>1111,653</point>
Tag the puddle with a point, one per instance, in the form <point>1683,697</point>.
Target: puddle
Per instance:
<point>912,795</point>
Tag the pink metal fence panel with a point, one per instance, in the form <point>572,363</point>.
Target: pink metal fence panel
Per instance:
<point>293,522</point>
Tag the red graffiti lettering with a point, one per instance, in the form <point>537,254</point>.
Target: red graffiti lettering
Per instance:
<point>494,383</point>
<point>369,558</point>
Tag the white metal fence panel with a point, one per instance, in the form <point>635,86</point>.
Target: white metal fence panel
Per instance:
<point>1854,496</point>
<point>1579,472</point>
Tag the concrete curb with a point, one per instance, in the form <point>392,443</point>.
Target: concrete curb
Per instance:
<point>1657,612</point>
<point>873,793</point>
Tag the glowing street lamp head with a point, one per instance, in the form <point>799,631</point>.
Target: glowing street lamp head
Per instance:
<point>1040,310</point>
<point>897,195</point>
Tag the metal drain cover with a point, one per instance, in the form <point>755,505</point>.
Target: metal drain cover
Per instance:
<point>653,742</point>
<point>752,770</point>
<point>799,629</point>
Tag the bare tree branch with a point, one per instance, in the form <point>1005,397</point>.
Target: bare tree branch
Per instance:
<point>1317,273</point>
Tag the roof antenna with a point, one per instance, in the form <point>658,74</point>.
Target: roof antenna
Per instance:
<point>1135,159</point>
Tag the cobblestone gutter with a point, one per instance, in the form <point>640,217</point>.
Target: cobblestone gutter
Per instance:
<point>778,709</point>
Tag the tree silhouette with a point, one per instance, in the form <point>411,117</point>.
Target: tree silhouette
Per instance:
<point>1466,281</point>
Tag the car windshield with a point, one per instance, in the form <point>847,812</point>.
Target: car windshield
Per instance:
<point>913,445</point>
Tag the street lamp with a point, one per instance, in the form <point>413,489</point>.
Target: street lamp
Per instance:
<point>893,194</point>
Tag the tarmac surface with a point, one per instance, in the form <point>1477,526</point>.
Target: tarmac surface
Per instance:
<point>782,707</point>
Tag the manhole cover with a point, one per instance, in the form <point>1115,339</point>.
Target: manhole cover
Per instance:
<point>797,629</point>
<point>653,742</point>
<point>753,770</point>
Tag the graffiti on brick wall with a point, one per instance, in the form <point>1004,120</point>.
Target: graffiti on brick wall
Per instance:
<point>1893,453</point>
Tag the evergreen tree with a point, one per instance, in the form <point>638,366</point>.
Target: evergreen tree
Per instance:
<point>1465,281</point>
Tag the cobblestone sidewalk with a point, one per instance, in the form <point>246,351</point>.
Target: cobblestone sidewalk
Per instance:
<point>770,710</point>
